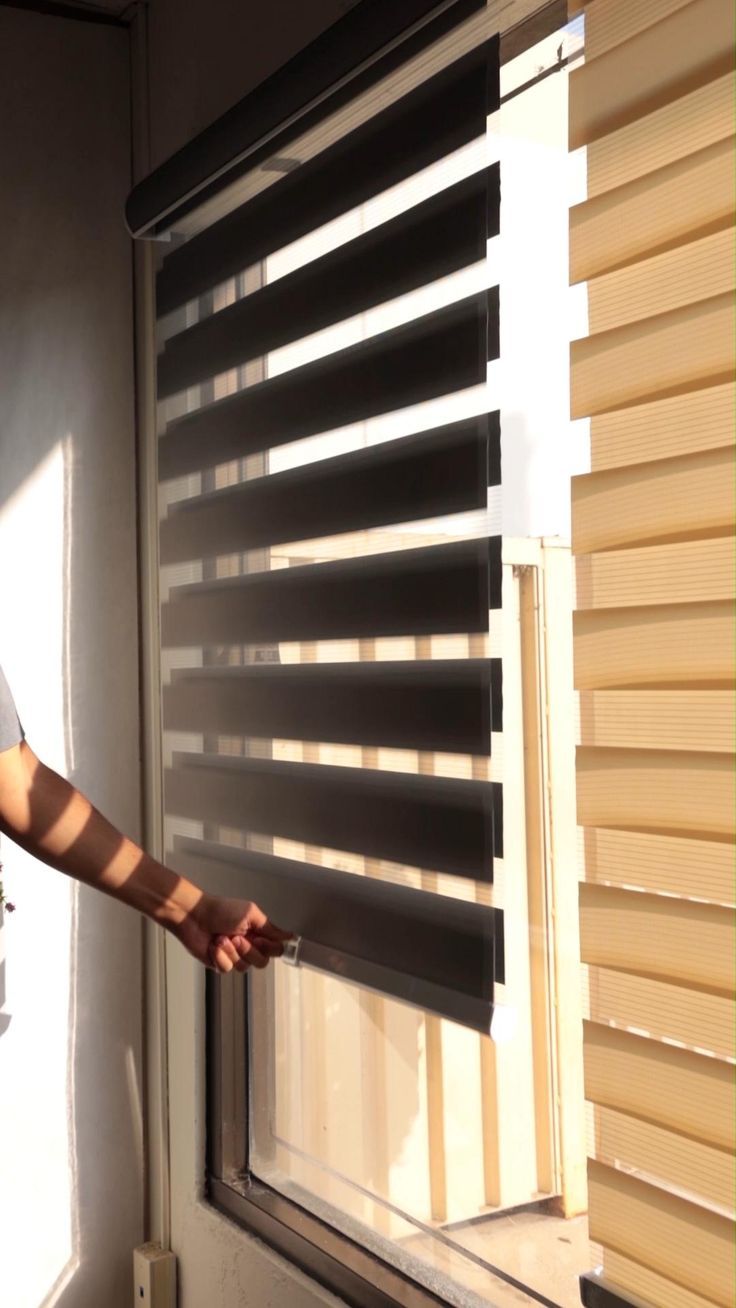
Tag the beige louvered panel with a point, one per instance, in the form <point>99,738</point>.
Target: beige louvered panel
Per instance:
<point>692,1245</point>
<point>682,128</point>
<point>675,1088</point>
<point>685,1164</point>
<point>675,351</point>
<point>658,936</point>
<point>697,1019</point>
<point>654,636</point>
<point>690,644</point>
<point>689,571</point>
<point>609,22</point>
<point>673,865</point>
<point>687,49</point>
<point>695,495</point>
<point>672,205</point>
<point>690,273</point>
<point>702,720</point>
<point>655,1290</point>
<point>681,424</point>
<point>658,791</point>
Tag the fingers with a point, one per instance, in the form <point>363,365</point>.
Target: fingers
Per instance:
<point>271,948</point>
<point>254,918</point>
<point>240,917</point>
<point>255,923</point>
<point>249,954</point>
<point>269,930</point>
<point>223,954</point>
<point>249,945</point>
<point>237,953</point>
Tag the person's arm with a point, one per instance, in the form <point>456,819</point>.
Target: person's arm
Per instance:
<point>57,824</point>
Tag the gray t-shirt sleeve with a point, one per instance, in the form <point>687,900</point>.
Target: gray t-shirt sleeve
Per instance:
<point>11,732</point>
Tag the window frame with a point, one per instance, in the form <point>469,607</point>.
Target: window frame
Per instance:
<point>338,1263</point>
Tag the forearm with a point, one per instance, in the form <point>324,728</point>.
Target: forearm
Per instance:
<point>57,824</point>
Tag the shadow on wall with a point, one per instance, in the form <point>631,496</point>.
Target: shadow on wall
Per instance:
<point>70,1053</point>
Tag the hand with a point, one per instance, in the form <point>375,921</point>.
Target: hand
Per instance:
<point>227,934</point>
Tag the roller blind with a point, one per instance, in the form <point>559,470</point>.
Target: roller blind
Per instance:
<point>654,644</point>
<point>300,644</point>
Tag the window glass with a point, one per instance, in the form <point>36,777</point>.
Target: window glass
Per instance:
<point>442,1149</point>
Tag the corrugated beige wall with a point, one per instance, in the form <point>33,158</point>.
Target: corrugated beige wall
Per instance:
<point>654,639</point>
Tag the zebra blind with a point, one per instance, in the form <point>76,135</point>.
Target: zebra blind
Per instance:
<point>654,651</point>
<point>281,600</point>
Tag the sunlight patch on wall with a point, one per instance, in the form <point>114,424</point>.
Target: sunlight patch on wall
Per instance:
<point>38,1196</point>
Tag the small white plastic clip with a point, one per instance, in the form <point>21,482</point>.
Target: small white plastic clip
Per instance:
<point>291,952</point>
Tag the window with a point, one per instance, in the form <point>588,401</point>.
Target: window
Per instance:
<point>332,519</point>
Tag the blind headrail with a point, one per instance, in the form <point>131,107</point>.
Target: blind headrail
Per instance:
<point>351,54</point>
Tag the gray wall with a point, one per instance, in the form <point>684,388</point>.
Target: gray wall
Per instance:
<point>70,1038</point>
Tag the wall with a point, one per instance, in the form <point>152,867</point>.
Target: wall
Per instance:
<point>70,1024</point>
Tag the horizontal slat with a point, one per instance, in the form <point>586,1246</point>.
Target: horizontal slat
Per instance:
<point>679,940</point>
<point>426,242</point>
<point>687,572</point>
<point>689,48</point>
<point>694,271</point>
<point>441,825</point>
<point>434,355</point>
<point>672,865</point>
<point>685,127</point>
<point>674,1237</point>
<point>444,588</point>
<point>677,351</point>
<point>699,720</point>
<point>656,790</point>
<point>665,1156</point>
<point>681,424</point>
<point>674,1088</point>
<point>668,645</point>
<point>440,116</point>
<point>693,494</point>
<point>437,706</point>
<point>672,204</point>
<point>413,945</point>
<point>609,22</point>
<point>698,1019</point>
<point>631,1280</point>
<point>436,473</point>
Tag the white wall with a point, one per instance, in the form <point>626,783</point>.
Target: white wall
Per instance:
<point>71,1194</point>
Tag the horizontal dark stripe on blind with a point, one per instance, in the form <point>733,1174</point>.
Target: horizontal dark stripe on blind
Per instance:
<point>428,822</point>
<point>435,355</point>
<point>426,242</point>
<point>430,475</point>
<point>428,947</point>
<point>259,124</point>
<point>442,588</point>
<point>439,705</point>
<point>440,116</point>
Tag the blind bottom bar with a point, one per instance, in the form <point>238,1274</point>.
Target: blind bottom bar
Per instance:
<point>440,954</point>
<point>417,991</point>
